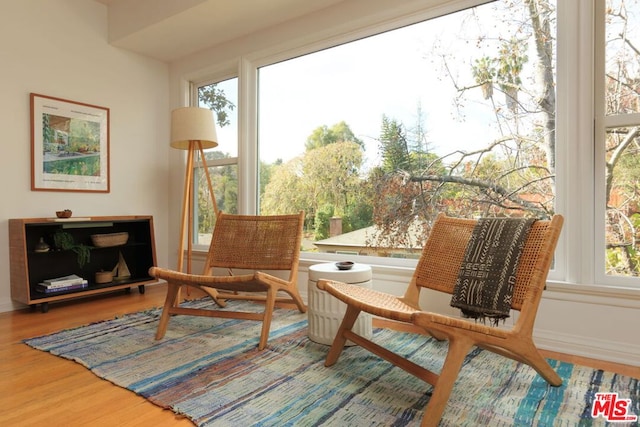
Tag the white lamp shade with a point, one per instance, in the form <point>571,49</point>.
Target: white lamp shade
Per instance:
<point>193,124</point>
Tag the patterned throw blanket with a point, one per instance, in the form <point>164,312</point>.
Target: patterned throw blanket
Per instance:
<point>484,288</point>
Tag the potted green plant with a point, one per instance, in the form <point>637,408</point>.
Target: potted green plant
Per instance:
<point>65,241</point>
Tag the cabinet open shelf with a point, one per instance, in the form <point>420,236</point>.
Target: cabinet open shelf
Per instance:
<point>30,264</point>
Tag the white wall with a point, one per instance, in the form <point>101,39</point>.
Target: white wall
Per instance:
<point>59,48</point>
<point>574,318</point>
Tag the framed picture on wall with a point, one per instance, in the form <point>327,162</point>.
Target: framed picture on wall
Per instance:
<point>69,145</point>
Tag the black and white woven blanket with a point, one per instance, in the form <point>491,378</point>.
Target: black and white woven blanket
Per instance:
<point>484,288</point>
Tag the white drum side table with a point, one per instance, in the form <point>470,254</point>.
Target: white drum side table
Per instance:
<point>325,311</point>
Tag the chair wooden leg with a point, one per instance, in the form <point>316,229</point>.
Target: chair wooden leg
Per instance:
<point>270,305</point>
<point>438,336</point>
<point>215,295</point>
<point>297,299</point>
<point>173,293</point>
<point>534,359</point>
<point>458,349</point>
<point>339,341</point>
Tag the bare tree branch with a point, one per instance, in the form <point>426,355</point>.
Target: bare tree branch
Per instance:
<point>615,156</point>
<point>504,193</point>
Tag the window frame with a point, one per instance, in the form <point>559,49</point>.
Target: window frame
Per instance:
<point>578,127</point>
<point>602,122</point>
<point>198,164</point>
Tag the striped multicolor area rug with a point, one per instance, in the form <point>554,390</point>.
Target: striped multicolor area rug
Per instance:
<point>210,371</point>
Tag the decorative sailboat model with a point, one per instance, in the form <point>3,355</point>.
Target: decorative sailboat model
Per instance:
<point>121,270</point>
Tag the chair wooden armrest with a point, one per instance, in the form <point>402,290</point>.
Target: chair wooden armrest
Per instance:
<point>186,279</point>
<point>443,323</point>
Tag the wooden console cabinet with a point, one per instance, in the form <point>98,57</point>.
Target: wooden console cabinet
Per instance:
<point>30,266</point>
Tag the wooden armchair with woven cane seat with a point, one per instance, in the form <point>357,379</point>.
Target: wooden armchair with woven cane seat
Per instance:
<point>446,260</point>
<point>244,255</point>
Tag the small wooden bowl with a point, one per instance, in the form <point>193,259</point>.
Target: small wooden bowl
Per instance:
<point>64,214</point>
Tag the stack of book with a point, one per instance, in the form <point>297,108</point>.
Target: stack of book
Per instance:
<point>62,284</point>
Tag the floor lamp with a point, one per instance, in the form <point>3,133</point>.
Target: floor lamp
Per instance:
<point>192,129</point>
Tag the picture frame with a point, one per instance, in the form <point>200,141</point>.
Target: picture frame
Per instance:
<point>69,145</point>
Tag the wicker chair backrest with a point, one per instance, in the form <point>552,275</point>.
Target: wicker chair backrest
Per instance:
<point>256,242</point>
<point>444,250</point>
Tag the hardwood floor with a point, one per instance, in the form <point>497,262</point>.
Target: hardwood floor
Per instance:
<point>38,389</point>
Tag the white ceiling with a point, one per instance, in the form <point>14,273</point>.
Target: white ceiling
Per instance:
<point>170,29</point>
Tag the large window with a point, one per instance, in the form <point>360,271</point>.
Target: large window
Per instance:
<point>619,136</point>
<point>485,111</point>
<point>374,138</point>
<point>222,161</point>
